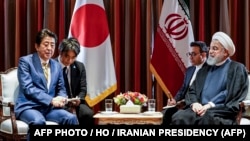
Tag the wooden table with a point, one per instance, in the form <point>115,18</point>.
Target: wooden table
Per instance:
<point>129,119</point>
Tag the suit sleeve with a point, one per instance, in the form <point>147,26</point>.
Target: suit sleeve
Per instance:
<point>83,82</point>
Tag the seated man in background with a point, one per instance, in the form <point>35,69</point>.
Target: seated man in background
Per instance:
<point>75,79</point>
<point>197,57</point>
<point>214,96</point>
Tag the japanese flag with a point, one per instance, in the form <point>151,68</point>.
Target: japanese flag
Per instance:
<point>90,26</point>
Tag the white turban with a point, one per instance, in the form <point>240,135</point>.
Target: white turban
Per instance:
<point>226,42</point>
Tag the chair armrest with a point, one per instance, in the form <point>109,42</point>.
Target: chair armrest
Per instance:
<point>239,115</point>
<point>245,105</point>
<point>244,111</point>
<point>11,116</point>
<point>2,106</point>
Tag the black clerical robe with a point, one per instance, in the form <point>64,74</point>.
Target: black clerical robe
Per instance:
<point>237,87</point>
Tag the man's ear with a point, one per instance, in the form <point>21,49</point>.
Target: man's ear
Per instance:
<point>226,53</point>
<point>36,47</point>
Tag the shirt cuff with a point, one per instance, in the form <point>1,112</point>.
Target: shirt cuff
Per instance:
<point>212,104</point>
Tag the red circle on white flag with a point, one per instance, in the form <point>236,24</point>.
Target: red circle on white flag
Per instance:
<point>89,25</point>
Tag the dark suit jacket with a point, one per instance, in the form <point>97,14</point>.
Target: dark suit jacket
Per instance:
<point>78,80</point>
<point>33,91</point>
<point>180,95</point>
<point>79,88</point>
<point>185,86</point>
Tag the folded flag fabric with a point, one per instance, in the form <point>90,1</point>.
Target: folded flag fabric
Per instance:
<point>172,39</point>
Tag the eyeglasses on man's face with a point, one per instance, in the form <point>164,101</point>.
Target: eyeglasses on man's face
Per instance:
<point>192,54</point>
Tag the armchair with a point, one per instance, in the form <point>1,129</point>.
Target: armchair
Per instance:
<point>10,127</point>
<point>244,115</point>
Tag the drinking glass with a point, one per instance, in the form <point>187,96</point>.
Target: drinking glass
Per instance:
<point>151,105</point>
<point>108,105</point>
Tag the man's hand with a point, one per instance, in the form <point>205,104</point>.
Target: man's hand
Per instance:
<point>75,102</point>
<point>171,101</point>
<point>58,101</point>
<point>203,110</point>
<point>196,107</point>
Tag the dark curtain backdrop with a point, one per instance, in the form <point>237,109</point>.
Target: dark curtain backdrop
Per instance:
<point>132,25</point>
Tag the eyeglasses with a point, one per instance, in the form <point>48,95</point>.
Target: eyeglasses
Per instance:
<point>192,54</point>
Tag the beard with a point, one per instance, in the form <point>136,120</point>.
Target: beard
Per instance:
<point>215,60</point>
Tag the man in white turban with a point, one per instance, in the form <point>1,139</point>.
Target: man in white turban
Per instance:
<point>214,97</point>
<point>225,41</point>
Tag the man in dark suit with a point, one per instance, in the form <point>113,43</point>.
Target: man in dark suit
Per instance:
<point>214,96</point>
<point>42,96</point>
<point>197,57</point>
<point>75,75</point>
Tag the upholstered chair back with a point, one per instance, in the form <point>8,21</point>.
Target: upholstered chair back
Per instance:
<point>9,88</point>
<point>245,120</point>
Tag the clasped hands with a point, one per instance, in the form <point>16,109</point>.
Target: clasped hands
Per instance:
<point>60,101</point>
<point>200,109</point>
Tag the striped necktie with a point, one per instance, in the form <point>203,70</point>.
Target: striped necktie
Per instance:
<point>45,70</point>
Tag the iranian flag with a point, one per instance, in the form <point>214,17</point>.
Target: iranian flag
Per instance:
<point>90,26</point>
<point>172,39</point>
